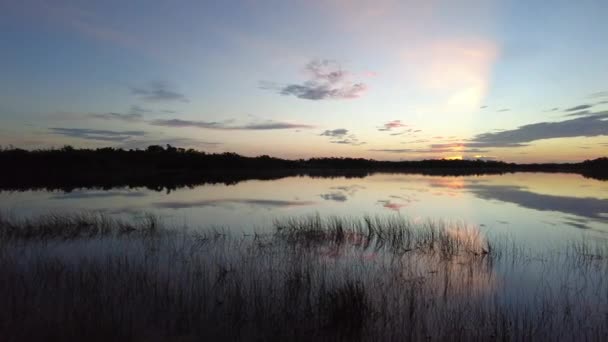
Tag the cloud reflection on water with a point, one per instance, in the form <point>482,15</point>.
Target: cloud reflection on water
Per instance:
<point>268,203</point>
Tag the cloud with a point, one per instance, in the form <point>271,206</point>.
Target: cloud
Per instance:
<point>97,134</point>
<point>580,113</point>
<point>419,141</point>
<point>327,80</point>
<point>134,114</point>
<point>337,133</point>
<point>132,117</point>
<point>313,91</point>
<point>158,91</point>
<point>392,124</point>
<point>341,136</point>
<point>227,126</point>
<point>577,108</point>
<point>599,94</point>
<point>349,141</point>
<point>334,196</point>
<point>586,126</point>
<point>135,109</point>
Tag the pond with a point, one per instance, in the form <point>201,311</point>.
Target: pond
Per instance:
<point>535,208</point>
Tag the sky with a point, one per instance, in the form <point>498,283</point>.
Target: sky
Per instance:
<point>519,81</point>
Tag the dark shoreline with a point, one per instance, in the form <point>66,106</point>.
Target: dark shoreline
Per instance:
<point>160,169</point>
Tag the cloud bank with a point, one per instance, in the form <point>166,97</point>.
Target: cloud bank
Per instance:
<point>586,126</point>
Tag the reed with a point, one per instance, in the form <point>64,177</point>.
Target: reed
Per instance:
<point>312,278</point>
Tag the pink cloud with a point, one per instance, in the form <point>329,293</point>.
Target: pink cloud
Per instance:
<point>391,125</point>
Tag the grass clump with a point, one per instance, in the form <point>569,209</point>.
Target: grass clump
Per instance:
<point>393,233</point>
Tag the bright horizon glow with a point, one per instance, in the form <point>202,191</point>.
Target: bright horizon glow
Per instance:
<point>386,80</point>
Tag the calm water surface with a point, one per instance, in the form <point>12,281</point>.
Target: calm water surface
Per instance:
<point>538,208</point>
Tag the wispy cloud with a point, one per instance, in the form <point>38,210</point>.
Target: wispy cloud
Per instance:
<point>580,113</point>
<point>391,125</point>
<point>599,94</point>
<point>349,141</point>
<point>135,109</point>
<point>158,91</point>
<point>97,134</point>
<point>132,117</point>
<point>327,80</point>
<point>577,108</point>
<point>228,126</point>
<point>418,141</point>
<point>134,114</point>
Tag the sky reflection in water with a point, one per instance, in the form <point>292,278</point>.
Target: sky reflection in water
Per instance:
<point>531,206</point>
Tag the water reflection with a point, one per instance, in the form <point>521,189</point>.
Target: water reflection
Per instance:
<point>96,194</point>
<point>587,207</point>
<point>268,203</point>
<point>341,193</point>
<point>525,204</point>
<point>394,206</point>
<point>334,196</point>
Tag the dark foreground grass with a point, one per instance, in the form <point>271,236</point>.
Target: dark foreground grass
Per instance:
<point>92,278</point>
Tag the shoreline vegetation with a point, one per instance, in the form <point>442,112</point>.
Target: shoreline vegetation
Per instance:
<point>74,277</point>
<point>169,167</point>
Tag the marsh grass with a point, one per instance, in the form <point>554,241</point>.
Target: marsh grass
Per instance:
<point>73,226</point>
<point>392,233</point>
<point>91,277</point>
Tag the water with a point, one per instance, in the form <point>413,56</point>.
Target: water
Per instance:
<point>537,208</point>
<point>540,279</point>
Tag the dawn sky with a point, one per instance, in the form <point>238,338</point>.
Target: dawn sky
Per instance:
<point>520,81</point>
